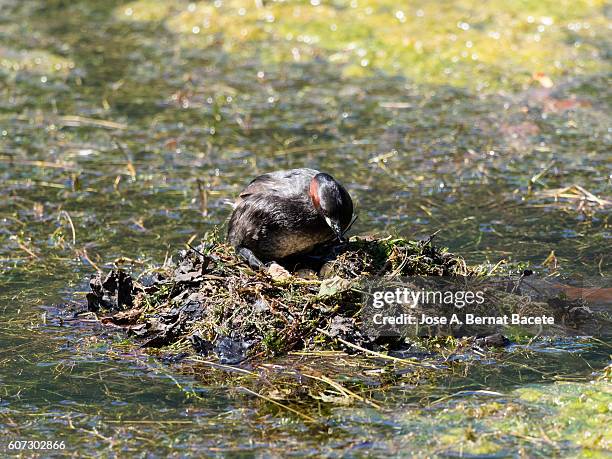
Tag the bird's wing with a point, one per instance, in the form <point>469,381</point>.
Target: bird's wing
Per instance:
<point>262,184</point>
<point>280,183</point>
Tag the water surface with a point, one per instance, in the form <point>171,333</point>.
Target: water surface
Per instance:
<point>125,127</point>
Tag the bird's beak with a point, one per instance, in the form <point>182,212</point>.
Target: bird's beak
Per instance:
<point>335,226</point>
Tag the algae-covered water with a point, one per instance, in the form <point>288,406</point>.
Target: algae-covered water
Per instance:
<point>125,127</point>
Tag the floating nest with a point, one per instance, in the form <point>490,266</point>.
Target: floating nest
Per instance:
<point>208,301</point>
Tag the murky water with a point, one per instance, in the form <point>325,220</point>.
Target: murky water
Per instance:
<point>125,127</point>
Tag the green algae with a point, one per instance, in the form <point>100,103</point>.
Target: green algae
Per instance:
<point>570,417</point>
<point>479,45</point>
<point>34,61</point>
<point>144,11</point>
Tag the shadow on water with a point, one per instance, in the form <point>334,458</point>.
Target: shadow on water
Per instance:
<point>183,129</point>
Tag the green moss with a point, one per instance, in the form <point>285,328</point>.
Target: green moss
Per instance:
<point>273,343</point>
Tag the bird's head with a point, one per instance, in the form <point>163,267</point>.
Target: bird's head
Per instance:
<point>332,202</point>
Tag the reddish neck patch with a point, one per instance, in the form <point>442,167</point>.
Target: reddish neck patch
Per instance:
<point>314,193</point>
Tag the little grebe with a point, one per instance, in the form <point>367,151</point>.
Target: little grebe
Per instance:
<point>287,213</point>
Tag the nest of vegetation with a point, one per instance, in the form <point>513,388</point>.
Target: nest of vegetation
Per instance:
<point>208,301</point>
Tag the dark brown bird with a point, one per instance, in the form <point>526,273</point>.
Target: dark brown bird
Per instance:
<point>287,213</point>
